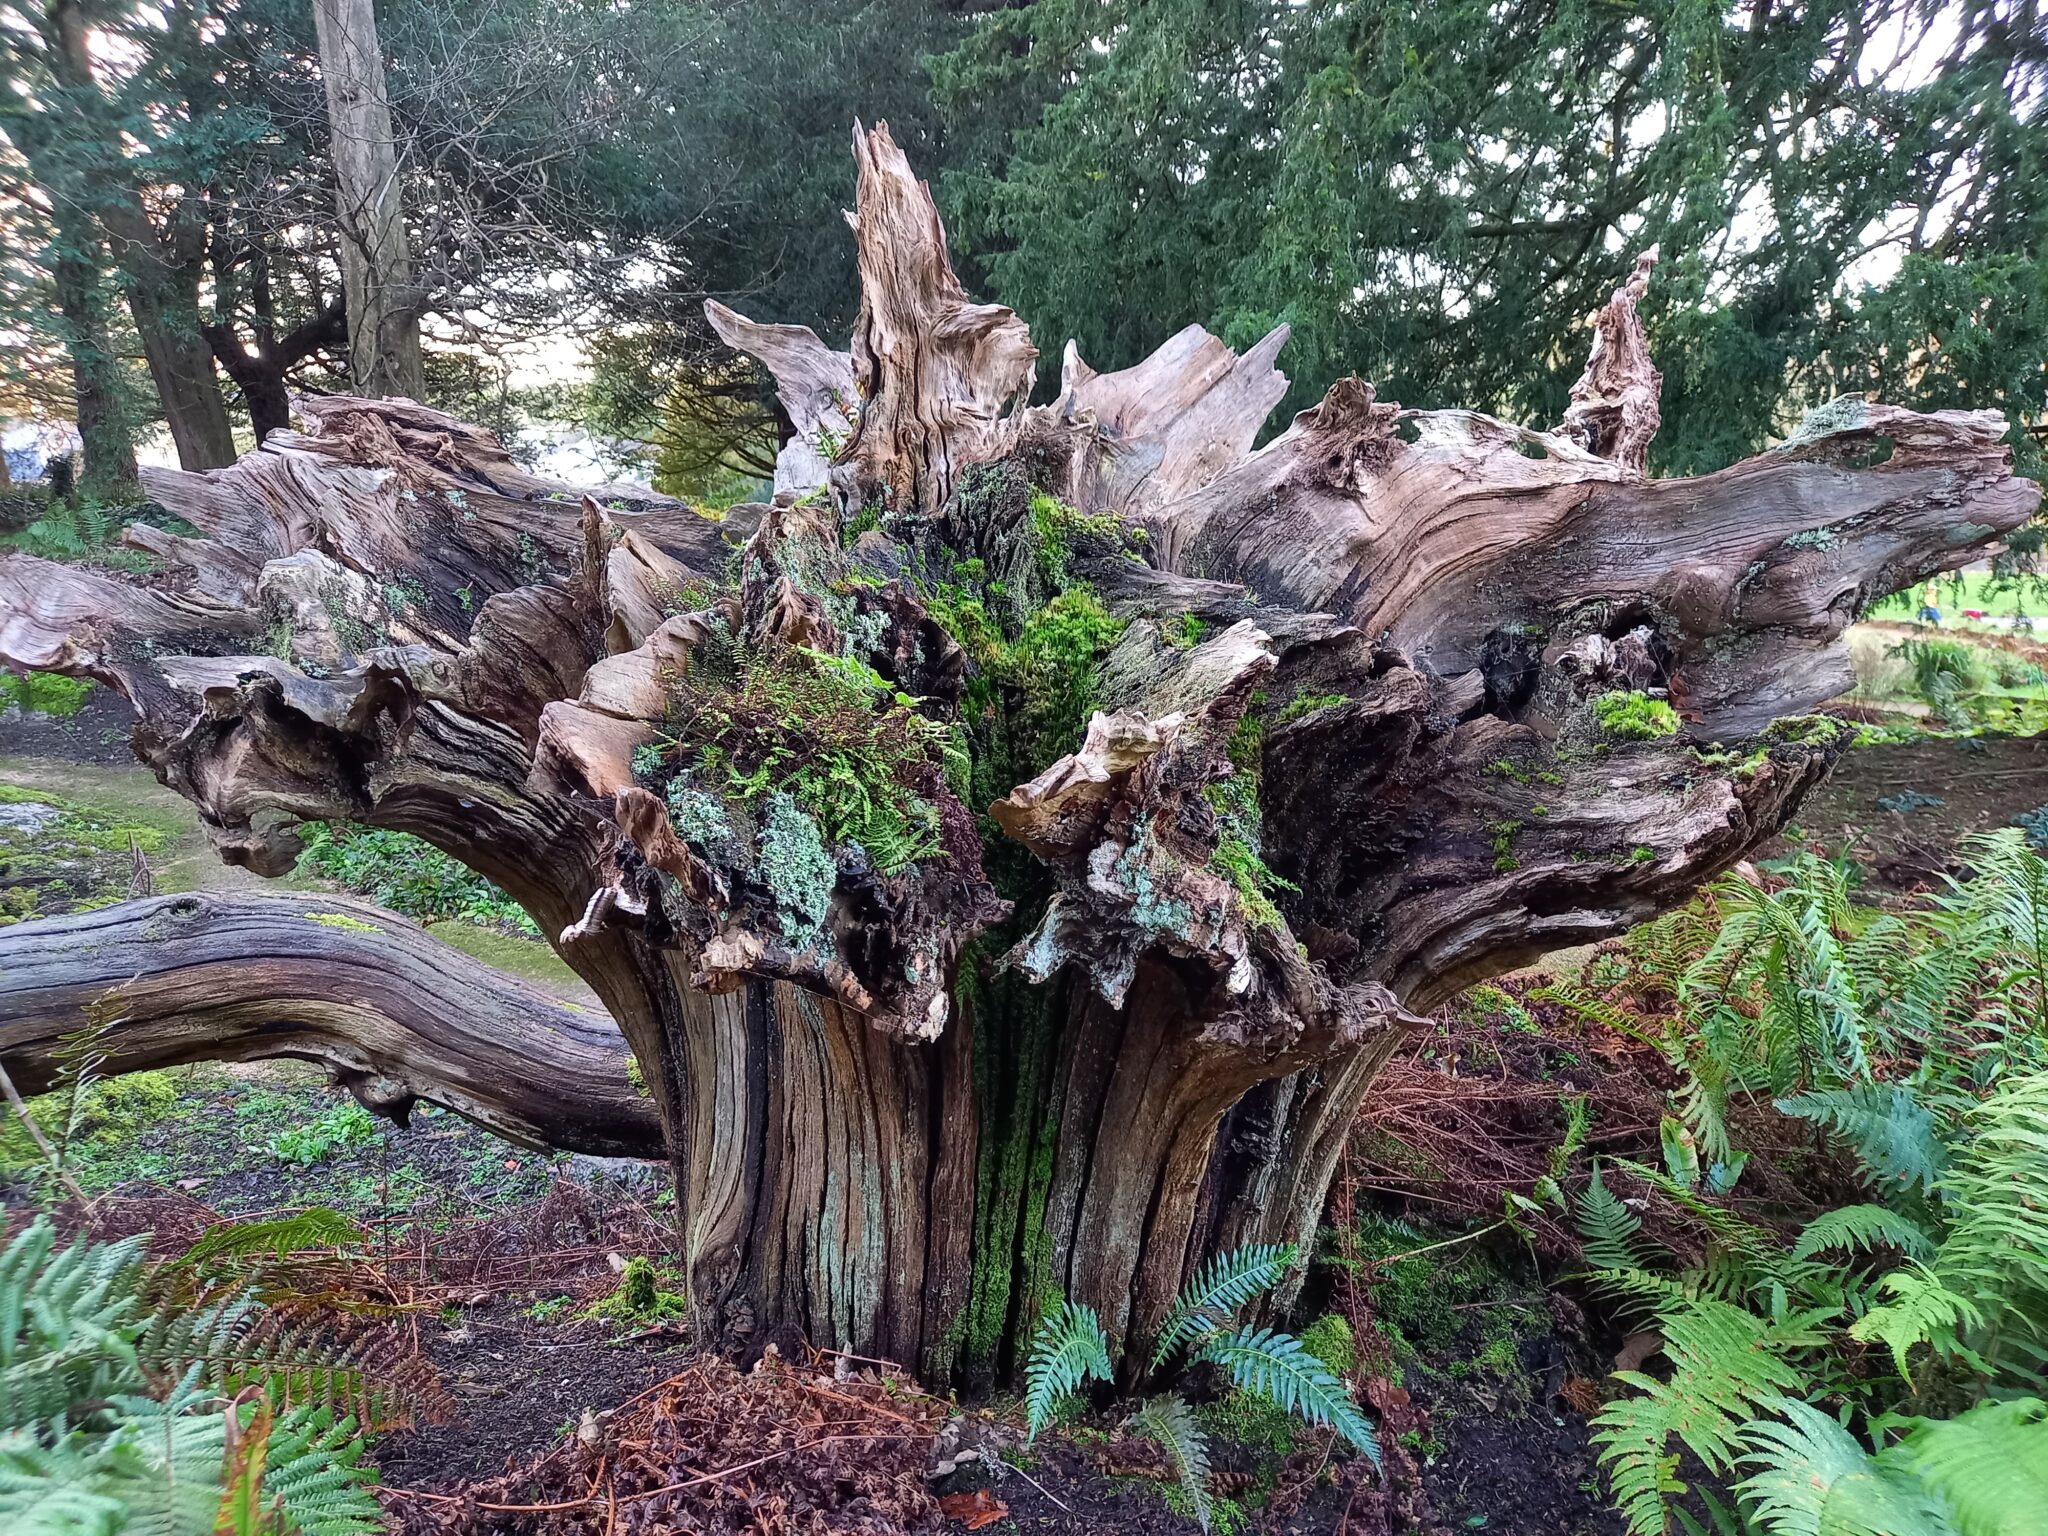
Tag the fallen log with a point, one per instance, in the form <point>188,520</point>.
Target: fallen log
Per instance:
<point>396,1015</point>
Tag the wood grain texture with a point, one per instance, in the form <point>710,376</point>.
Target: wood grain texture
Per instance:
<point>398,1016</point>
<point>1348,748</point>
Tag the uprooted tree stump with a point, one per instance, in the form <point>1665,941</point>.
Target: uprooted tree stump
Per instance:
<point>1010,854</point>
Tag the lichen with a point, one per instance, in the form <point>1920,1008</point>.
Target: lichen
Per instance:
<point>340,920</point>
<point>797,868</point>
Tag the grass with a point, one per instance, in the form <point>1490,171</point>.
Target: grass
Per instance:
<point>410,877</point>
<point>247,1139</point>
<point>44,693</point>
<point>59,855</point>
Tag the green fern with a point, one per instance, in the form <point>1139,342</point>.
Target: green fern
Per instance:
<point>1608,1227</point>
<point>1213,1296</point>
<point>107,1426</point>
<point>1275,1366</point>
<point>1893,1134</point>
<point>276,1238</point>
<point>1069,1349</point>
<point>1989,1466</point>
<point>1814,1479</point>
<point>1171,1422</point>
<point>1860,1229</point>
<point>1725,1361</point>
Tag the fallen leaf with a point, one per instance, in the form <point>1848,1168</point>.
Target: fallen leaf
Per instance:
<point>974,1510</point>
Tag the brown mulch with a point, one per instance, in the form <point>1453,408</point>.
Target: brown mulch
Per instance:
<point>714,1449</point>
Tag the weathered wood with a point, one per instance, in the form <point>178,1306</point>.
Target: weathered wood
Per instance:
<point>938,374</point>
<point>813,383</point>
<point>398,1016</point>
<point>1274,747</point>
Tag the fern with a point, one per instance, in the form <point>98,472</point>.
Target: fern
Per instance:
<point>1860,1229</point>
<point>1608,1227</point>
<point>1070,1348</point>
<point>1989,1466</point>
<point>1724,1362</point>
<point>1892,1133</point>
<point>1225,1284</point>
<point>1276,1367</point>
<point>315,1227</point>
<point>1814,1479</point>
<point>106,1425</point>
<point>1171,1422</point>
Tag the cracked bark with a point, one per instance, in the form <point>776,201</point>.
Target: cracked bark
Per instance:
<point>1078,1042</point>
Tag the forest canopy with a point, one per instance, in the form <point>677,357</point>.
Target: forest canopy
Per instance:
<point>1848,197</point>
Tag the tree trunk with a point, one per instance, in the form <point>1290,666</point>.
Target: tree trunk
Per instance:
<point>1010,862</point>
<point>108,471</point>
<point>376,263</point>
<point>262,370</point>
<point>161,270</point>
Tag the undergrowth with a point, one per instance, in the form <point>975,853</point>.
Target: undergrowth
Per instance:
<point>409,876</point>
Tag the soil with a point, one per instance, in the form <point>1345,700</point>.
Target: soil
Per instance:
<point>97,734</point>
<point>518,1384</point>
<point>1979,784</point>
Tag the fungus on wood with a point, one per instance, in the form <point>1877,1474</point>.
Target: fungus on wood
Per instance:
<point>1010,854</point>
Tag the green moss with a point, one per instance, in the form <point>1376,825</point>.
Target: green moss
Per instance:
<point>1504,833</point>
<point>1642,855</point>
<point>1329,1339</point>
<point>1308,704</point>
<point>639,1297</point>
<point>1634,716</point>
<point>1017,1108</point>
<point>102,1150</point>
<point>1185,632</point>
<point>1806,731</point>
<point>340,920</point>
<point>1054,525</point>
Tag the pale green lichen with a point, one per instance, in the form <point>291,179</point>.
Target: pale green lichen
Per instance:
<point>797,868</point>
<point>341,920</point>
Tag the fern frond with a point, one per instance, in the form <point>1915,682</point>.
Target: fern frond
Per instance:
<point>1892,1133</point>
<point>1070,1348</point>
<point>1275,1366</point>
<point>1226,1283</point>
<point>277,1238</point>
<point>314,1465</point>
<point>1922,1310</point>
<point>66,1320</point>
<point>1607,1226</point>
<point>1724,1362</point>
<point>1860,1229</point>
<point>1814,1479</point>
<point>1989,1466</point>
<point>298,1357</point>
<point>1171,1422</point>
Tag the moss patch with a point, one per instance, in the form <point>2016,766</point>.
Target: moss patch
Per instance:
<point>1634,717</point>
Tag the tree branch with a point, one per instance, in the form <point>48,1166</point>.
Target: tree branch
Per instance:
<point>398,1016</point>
